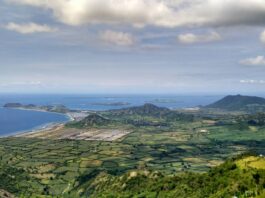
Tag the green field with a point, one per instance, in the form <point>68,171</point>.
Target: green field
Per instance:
<point>66,168</point>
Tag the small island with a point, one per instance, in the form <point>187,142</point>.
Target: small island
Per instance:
<point>48,108</point>
<point>111,103</point>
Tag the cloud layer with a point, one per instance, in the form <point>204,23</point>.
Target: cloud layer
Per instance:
<point>117,38</point>
<point>167,13</point>
<point>259,60</point>
<point>190,38</point>
<point>29,28</point>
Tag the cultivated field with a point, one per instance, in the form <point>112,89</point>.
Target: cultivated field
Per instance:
<point>64,159</point>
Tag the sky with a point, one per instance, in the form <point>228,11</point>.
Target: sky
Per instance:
<point>132,46</point>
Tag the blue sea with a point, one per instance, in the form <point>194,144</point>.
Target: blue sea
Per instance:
<point>14,121</point>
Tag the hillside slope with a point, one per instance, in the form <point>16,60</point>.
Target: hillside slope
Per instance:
<point>144,110</point>
<point>238,103</point>
<point>244,177</point>
<point>90,121</point>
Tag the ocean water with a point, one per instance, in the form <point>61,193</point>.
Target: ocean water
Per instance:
<point>13,121</point>
<point>95,102</point>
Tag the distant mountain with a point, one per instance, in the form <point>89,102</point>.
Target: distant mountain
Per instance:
<point>136,116</point>
<point>239,103</point>
<point>149,110</point>
<point>144,110</point>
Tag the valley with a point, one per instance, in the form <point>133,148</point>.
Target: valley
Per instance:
<point>76,159</point>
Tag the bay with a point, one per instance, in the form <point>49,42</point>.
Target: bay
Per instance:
<point>14,121</point>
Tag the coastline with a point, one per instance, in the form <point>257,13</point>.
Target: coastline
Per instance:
<point>68,114</point>
<point>44,128</point>
<point>39,128</point>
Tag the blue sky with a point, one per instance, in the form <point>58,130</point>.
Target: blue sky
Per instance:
<point>132,46</point>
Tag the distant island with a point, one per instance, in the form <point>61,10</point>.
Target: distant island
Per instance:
<point>163,101</point>
<point>111,103</point>
<point>48,108</point>
<point>249,104</point>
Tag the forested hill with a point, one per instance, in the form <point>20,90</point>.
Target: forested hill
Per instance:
<point>144,110</point>
<point>243,177</point>
<point>239,103</point>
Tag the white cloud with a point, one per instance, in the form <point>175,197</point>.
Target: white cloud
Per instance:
<point>117,38</point>
<point>190,38</point>
<point>29,28</point>
<point>252,81</point>
<point>166,13</point>
<point>262,37</point>
<point>259,60</point>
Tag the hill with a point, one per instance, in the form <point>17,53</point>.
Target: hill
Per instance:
<point>239,103</point>
<point>244,177</point>
<point>148,110</point>
<point>90,121</point>
<point>144,110</point>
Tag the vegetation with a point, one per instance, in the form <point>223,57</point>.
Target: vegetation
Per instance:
<point>166,154</point>
<point>240,103</point>
<point>227,180</point>
<point>91,120</point>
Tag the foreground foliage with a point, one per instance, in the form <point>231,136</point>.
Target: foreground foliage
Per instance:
<point>240,177</point>
<point>228,180</point>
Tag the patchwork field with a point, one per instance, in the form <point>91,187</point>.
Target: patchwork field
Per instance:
<point>61,164</point>
<point>64,160</point>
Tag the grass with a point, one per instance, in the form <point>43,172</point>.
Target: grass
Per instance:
<point>252,162</point>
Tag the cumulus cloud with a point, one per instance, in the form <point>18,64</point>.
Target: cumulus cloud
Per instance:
<point>166,13</point>
<point>29,28</point>
<point>190,38</point>
<point>259,60</point>
<point>117,38</point>
<point>262,37</point>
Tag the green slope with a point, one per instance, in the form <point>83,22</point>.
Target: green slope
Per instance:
<point>244,177</point>
<point>238,103</point>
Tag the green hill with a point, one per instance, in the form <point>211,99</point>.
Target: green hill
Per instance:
<point>244,177</point>
<point>149,110</point>
<point>239,103</point>
<point>144,110</point>
<point>90,121</point>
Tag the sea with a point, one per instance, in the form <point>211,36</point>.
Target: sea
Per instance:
<point>13,121</point>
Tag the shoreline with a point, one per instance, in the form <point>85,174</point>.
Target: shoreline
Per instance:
<point>39,128</point>
<point>47,127</point>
